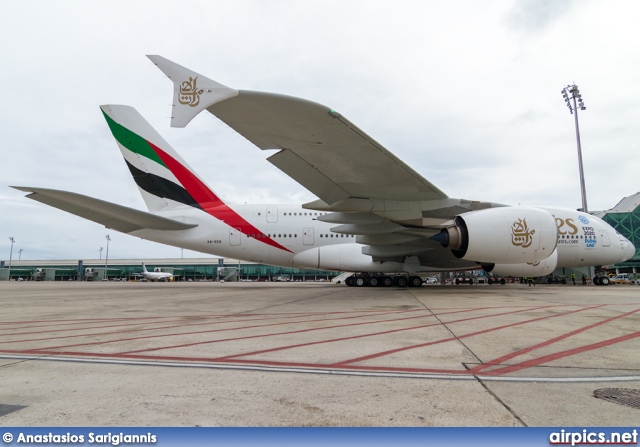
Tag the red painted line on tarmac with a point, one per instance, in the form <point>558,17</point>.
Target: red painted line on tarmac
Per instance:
<point>48,349</point>
<point>334,327</point>
<point>562,354</point>
<point>353,337</point>
<point>341,365</point>
<point>247,362</point>
<point>170,318</point>
<point>69,322</point>
<point>118,340</point>
<point>231,360</point>
<point>274,334</point>
<point>87,328</point>
<point>182,319</point>
<point>333,340</point>
<point>520,352</point>
<point>472,334</point>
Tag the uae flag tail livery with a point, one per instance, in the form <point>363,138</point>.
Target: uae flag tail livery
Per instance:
<point>165,180</point>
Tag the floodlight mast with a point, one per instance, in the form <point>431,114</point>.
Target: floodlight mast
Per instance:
<point>106,258</point>
<point>11,255</point>
<point>570,93</point>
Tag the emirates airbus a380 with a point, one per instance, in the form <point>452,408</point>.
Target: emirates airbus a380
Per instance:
<point>374,214</point>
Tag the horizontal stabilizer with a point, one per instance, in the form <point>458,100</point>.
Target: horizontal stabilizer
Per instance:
<point>117,217</point>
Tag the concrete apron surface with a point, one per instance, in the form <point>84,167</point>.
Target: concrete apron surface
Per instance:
<point>316,354</point>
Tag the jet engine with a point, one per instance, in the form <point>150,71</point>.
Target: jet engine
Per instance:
<point>505,235</point>
<point>539,268</point>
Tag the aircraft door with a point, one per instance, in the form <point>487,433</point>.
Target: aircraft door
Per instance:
<point>604,238</point>
<point>272,214</point>
<point>234,236</point>
<point>307,236</point>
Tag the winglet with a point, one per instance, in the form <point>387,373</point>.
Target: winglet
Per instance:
<point>192,92</point>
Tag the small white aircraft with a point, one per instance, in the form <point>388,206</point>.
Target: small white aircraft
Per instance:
<point>375,215</point>
<point>156,276</point>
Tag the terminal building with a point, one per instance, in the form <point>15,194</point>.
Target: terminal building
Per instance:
<point>624,217</point>
<point>188,269</point>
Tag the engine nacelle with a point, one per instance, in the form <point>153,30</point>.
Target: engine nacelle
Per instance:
<point>505,235</point>
<point>539,268</point>
<point>343,257</point>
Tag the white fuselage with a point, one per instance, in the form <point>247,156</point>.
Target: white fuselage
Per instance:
<point>583,240</point>
<point>586,240</point>
<point>293,227</point>
<point>157,276</point>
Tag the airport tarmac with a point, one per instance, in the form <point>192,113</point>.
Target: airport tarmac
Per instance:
<point>317,354</point>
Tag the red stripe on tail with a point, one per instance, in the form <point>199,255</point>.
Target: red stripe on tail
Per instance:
<point>209,202</point>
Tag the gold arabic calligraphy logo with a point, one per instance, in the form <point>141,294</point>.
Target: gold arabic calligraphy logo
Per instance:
<point>189,93</point>
<point>521,234</point>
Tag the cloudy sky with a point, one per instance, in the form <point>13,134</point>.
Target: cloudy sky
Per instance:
<point>466,92</point>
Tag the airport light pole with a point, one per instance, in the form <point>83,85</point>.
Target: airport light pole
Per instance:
<point>106,258</point>
<point>573,100</point>
<point>571,94</point>
<point>100,252</point>
<point>20,254</point>
<point>11,256</point>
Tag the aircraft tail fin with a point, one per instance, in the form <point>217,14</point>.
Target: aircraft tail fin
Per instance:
<point>144,268</point>
<point>165,180</point>
<point>192,92</point>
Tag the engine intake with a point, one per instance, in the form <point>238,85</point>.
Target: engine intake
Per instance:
<point>505,235</point>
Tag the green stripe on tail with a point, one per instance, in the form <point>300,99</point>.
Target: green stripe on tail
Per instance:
<point>132,141</point>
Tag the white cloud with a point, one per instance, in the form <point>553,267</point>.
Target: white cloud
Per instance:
<point>467,93</point>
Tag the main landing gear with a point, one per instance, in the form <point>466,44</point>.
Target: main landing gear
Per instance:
<point>601,280</point>
<point>366,280</point>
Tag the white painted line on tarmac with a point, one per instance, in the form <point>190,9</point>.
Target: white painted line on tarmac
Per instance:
<point>397,375</point>
<point>242,367</point>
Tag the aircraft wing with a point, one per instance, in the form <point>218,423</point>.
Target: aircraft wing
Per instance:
<point>371,193</point>
<point>319,148</point>
<point>117,217</point>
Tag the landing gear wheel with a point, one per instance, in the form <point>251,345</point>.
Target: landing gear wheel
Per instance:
<point>374,281</point>
<point>596,280</point>
<point>349,281</point>
<point>415,281</point>
<point>387,281</point>
<point>604,281</point>
<point>400,281</point>
<point>359,281</point>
